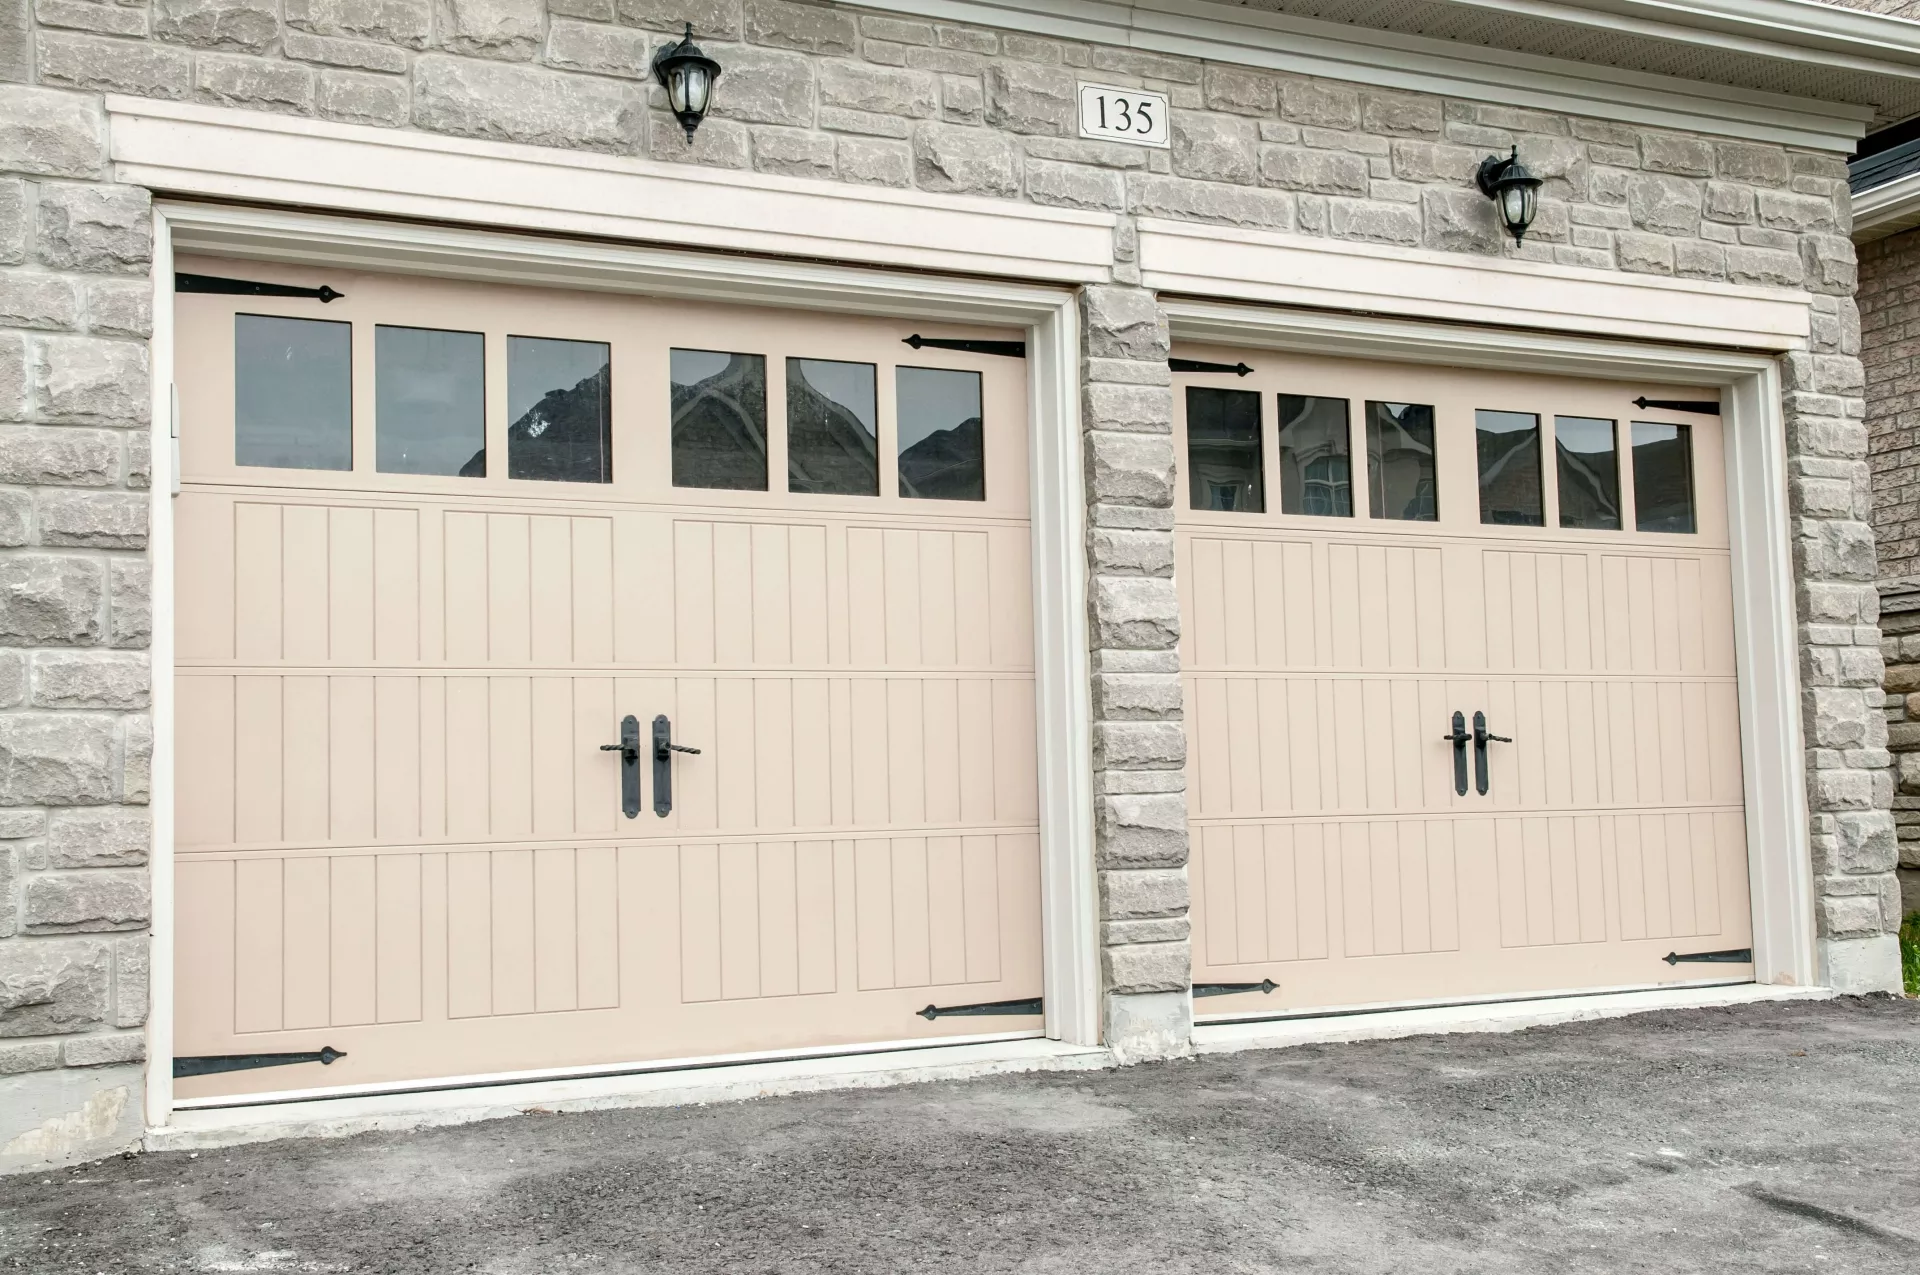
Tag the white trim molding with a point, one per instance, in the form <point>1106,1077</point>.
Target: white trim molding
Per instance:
<point>1298,270</point>
<point>224,153</point>
<point>1049,315</point>
<point>1886,209</point>
<point>1766,638</point>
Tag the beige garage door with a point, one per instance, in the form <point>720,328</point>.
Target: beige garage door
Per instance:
<point>437,540</point>
<point>1367,550</point>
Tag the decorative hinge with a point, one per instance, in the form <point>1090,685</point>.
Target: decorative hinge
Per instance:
<point>214,1064</point>
<point>1731,956</point>
<point>1266,987</point>
<point>1005,349</point>
<point>1679,405</point>
<point>932,1012</point>
<point>1200,365</point>
<point>249,288</point>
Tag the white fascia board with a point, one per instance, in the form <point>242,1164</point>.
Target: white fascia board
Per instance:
<point>1337,50</point>
<point>1887,209</point>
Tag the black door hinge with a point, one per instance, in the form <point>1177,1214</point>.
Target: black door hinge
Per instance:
<point>1732,956</point>
<point>1200,365</point>
<point>1679,405</point>
<point>249,288</point>
<point>1266,987</point>
<point>214,1064</point>
<point>1005,349</point>
<point>931,1012</point>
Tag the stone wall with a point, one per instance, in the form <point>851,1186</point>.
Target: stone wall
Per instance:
<point>836,94</point>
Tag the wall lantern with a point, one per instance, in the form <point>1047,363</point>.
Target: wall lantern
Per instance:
<point>1513,190</point>
<point>688,76</point>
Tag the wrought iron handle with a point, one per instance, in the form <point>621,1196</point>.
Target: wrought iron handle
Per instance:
<point>1459,739</point>
<point>629,750</point>
<point>663,750</point>
<point>1481,738</point>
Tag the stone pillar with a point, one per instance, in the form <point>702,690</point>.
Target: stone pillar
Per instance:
<point>1139,739</point>
<point>1849,785</point>
<point>1900,648</point>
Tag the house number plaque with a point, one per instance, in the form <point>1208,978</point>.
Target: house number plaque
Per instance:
<point>1123,115</point>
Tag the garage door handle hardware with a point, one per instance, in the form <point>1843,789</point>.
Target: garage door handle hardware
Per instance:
<point>214,1064</point>
<point>249,288</point>
<point>1459,739</point>
<point>1481,738</point>
<point>663,750</point>
<point>932,1012</point>
<point>629,750</point>
<point>1005,349</point>
<point>1266,987</point>
<point>1732,956</point>
<point>1201,365</point>
<point>1679,405</point>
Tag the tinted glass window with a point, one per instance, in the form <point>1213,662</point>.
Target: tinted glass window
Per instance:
<point>942,453</point>
<point>1223,450</point>
<point>719,419</point>
<point>559,410</point>
<point>1509,446</point>
<point>1663,477</point>
<point>1315,456</point>
<point>429,411</point>
<point>1588,466</point>
<point>292,392</point>
<point>1400,462</point>
<point>833,442</point>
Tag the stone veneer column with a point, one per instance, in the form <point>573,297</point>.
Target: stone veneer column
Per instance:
<point>1139,740</point>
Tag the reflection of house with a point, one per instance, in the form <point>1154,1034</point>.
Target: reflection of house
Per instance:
<point>1400,460</point>
<point>566,437</point>
<point>946,464</point>
<point>720,427</point>
<point>1223,449</point>
<point>1510,477</point>
<point>1315,471</point>
<point>829,449</point>
<point>1663,484</point>
<point>1588,497</point>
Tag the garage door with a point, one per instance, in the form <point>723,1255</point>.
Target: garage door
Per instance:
<point>1460,685</point>
<point>444,548</point>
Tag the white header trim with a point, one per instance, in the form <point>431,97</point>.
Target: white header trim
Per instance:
<point>226,153</point>
<point>1297,270</point>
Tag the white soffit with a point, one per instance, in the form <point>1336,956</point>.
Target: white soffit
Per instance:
<point>1772,82</point>
<point>1183,259</point>
<point>224,153</point>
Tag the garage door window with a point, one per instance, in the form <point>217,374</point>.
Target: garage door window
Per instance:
<point>1223,450</point>
<point>1315,456</point>
<point>833,436</point>
<point>1588,464</point>
<point>292,392</point>
<point>429,401</point>
<point>942,451</point>
<point>1509,447</point>
<point>719,419</point>
<point>1400,462</point>
<point>1663,477</point>
<point>559,410</point>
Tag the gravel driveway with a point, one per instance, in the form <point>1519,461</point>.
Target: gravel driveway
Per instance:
<point>1782,1137</point>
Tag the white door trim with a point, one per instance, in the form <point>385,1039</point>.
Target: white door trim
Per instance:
<point>1069,922</point>
<point>1766,639</point>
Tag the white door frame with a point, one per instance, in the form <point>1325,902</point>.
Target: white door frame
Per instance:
<point>1049,316</point>
<point>1766,639</point>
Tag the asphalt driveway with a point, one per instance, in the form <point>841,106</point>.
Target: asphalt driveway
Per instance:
<point>1761,1138</point>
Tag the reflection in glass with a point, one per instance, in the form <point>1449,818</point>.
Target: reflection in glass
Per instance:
<point>942,453</point>
<point>1663,477</point>
<point>429,396</point>
<point>292,392</point>
<point>1509,446</point>
<point>833,443</point>
<point>1589,470</point>
<point>1400,462</point>
<point>1315,456</point>
<point>560,410</point>
<point>1223,450</point>
<point>719,419</point>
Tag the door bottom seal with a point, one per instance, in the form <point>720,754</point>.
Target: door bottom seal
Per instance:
<point>1308,1015</point>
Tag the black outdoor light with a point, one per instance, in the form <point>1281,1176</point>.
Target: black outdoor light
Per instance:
<point>688,76</point>
<point>1513,190</point>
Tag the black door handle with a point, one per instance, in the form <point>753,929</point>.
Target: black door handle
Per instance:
<point>1459,740</point>
<point>629,750</point>
<point>663,750</point>
<point>1481,738</point>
